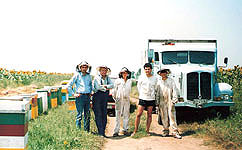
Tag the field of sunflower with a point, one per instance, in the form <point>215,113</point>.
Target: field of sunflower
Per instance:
<point>13,79</point>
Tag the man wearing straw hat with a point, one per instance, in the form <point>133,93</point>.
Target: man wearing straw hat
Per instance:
<point>166,97</point>
<point>83,83</point>
<point>101,86</point>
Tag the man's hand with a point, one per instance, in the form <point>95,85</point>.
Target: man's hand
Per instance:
<point>77,95</point>
<point>105,86</point>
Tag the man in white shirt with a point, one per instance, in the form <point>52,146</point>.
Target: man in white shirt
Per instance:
<point>146,87</point>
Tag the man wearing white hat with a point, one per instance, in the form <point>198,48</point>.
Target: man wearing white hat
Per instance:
<point>166,97</point>
<point>101,86</point>
<point>83,83</point>
<point>121,94</point>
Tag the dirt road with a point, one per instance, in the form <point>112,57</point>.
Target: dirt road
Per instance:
<point>153,142</point>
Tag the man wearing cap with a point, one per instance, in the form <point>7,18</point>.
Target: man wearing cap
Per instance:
<point>166,97</point>
<point>101,86</point>
<point>83,84</point>
<point>146,87</point>
<point>121,94</point>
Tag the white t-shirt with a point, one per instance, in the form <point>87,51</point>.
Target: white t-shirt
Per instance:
<point>146,87</point>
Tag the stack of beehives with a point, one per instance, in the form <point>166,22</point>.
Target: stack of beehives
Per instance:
<point>14,113</point>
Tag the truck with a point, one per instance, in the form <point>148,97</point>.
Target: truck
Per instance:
<point>193,66</point>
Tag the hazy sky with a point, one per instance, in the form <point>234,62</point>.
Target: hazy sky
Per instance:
<point>56,35</point>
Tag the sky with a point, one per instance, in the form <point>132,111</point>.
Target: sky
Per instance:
<point>56,35</point>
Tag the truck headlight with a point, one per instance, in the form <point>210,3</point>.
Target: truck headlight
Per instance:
<point>180,99</point>
<point>224,97</point>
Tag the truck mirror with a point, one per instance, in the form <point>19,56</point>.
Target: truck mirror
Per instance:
<point>156,56</point>
<point>226,60</point>
<point>149,59</point>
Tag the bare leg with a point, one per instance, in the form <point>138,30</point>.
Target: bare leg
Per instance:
<point>149,118</point>
<point>137,119</point>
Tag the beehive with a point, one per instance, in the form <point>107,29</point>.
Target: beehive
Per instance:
<point>71,104</point>
<point>14,124</point>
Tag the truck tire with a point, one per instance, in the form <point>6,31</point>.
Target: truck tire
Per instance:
<point>223,111</point>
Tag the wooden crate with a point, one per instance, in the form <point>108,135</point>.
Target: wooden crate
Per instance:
<point>44,94</point>
<point>33,98</point>
<point>14,124</point>
<point>71,104</point>
<point>13,142</point>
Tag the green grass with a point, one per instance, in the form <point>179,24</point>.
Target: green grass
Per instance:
<point>134,90</point>
<point>57,131</point>
<point>225,133</point>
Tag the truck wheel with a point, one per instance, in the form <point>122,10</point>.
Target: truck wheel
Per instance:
<point>223,111</point>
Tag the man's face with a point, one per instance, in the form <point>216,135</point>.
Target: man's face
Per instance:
<point>84,68</point>
<point>148,70</point>
<point>163,75</point>
<point>124,75</point>
<point>103,71</point>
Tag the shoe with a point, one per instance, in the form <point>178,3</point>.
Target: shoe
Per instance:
<point>125,132</point>
<point>133,134</point>
<point>148,133</point>
<point>115,135</point>
<point>177,135</point>
<point>165,133</point>
<point>104,136</point>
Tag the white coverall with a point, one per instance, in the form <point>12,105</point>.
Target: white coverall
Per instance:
<point>121,94</point>
<point>166,97</point>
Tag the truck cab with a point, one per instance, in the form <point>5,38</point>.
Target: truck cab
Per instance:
<point>193,66</point>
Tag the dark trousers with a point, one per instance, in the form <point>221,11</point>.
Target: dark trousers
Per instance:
<point>83,105</point>
<point>100,111</point>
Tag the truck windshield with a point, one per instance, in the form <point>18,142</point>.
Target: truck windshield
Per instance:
<point>201,57</point>
<point>178,57</point>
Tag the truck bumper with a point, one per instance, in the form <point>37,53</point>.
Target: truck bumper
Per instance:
<point>205,104</point>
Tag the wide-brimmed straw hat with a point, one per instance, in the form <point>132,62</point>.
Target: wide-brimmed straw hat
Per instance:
<point>163,70</point>
<point>104,66</point>
<point>83,63</point>
<point>124,69</point>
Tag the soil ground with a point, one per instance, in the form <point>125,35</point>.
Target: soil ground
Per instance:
<point>153,142</point>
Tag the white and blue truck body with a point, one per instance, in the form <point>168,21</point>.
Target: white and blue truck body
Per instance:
<point>193,66</point>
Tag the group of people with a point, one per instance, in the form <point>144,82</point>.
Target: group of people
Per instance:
<point>153,91</point>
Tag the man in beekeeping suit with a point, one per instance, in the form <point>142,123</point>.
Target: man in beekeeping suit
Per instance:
<point>121,94</point>
<point>166,97</point>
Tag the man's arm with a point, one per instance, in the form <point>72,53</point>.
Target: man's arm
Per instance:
<point>157,94</point>
<point>70,84</point>
<point>174,93</point>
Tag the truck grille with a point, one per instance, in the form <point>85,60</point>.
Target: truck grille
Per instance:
<point>193,85</point>
<point>205,84</point>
